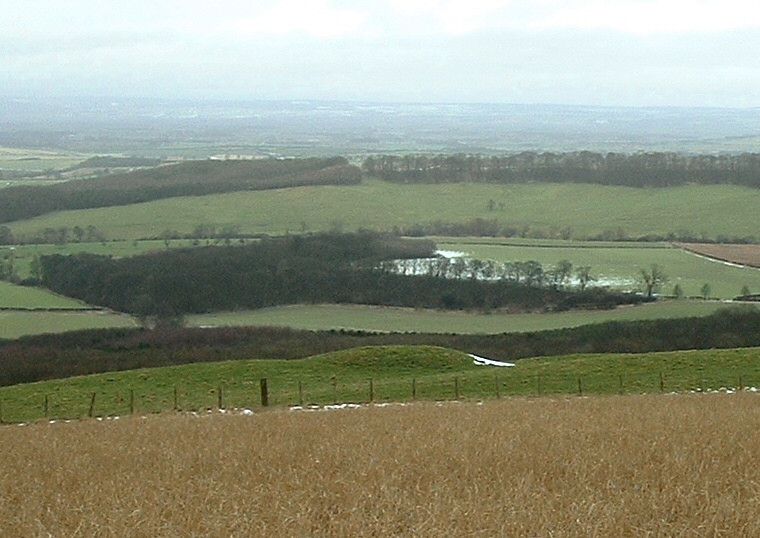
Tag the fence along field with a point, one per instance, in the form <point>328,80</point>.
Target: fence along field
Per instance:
<point>373,375</point>
<point>657,465</point>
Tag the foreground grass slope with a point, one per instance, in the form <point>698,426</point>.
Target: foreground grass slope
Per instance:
<point>563,467</point>
<point>382,373</point>
<point>587,210</point>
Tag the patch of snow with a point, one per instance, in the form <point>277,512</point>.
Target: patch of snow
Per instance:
<point>450,254</point>
<point>482,361</point>
<point>342,406</point>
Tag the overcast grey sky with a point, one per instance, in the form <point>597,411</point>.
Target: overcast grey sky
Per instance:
<point>641,52</point>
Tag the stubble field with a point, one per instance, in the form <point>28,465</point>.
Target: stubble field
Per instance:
<point>738,254</point>
<point>605,466</point>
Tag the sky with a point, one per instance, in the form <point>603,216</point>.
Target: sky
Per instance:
<point>577,52</point>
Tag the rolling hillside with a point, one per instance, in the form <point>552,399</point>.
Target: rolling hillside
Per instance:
<point>537,211</point>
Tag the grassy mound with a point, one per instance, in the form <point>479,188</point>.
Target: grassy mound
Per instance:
<point>390,360</point>
<point>379,374</point>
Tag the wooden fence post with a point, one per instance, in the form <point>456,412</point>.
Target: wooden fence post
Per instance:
<point>620,383</point>
<point>300,393</point>
<point>580,386</point>
<point>456,387</point>
<point>335,389</point>
<point>414,388</point>
<point>2,419</point>
<point>265,392</point>
<point>176,399</point>
<point>539,384</point>
<point>92,405</point>
<point>220,398</point>
<point>371,391</point>
<point>131,401</point>
<point>47,407</point>
<point>662,383</point>
<point>741,382</point>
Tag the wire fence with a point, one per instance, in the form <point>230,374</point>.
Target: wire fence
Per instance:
<point>265,393</point>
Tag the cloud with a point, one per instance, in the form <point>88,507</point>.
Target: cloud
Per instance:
<point>652,16</point>
<point>312,17</point>
<point>579,51</point>
<point>452,16</point>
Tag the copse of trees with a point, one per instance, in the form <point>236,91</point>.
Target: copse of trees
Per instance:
<point>323,267</point>
<point>191,178</point>
<point>359,268</point>
<point>650,169</point>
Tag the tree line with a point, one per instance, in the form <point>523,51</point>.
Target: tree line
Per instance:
<point>359,268</point>
<point>54,356</point>
<point>192,178</point>
<point>646,169</point>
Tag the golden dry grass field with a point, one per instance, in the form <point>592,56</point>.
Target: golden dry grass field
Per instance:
<point>660,465</point>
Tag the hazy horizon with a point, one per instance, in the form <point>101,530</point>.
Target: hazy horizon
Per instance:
<point>633,53</point>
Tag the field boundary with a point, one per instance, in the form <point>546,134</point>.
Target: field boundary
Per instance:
<point>54,309</point>
<point>707,250</point>
<point>340,393</point>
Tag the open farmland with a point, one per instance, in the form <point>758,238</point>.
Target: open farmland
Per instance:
<point>25,310</point>
<point>598,467</point>
<point>34,161</point>
<point>24,254</point>
<point>392,319</point>
<point>17,323</point>
<point>585,210</point>
<point>379,374</point>
<point>619,264</point>
<point>738,254</point>
<point>20,298</point>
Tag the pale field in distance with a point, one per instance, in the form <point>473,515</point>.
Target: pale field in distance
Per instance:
<point>606,466</point>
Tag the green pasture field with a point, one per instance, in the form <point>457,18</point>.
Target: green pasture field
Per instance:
<point>17,323</point>
<point>390,319</point>
<point>21,297</point>
<point>379,374</point>
<point>31,160</point>
<point>612,261</point>
<point>24,254</point>
<point>587,210</point>
<point>619,264</point>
